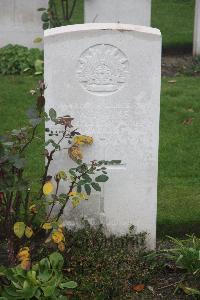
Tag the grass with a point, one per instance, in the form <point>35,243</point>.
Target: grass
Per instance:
<point>15,99</point>
<point>175,19</point>
<point>179,155</point>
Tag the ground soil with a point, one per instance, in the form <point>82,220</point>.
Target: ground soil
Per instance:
<point>173,65</point>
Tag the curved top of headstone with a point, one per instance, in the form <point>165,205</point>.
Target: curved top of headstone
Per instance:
<point>101,26</point>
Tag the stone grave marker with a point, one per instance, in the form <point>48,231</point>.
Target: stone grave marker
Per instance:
<point>118,11</point>
<point>196,42</point>
<point>20,22</point>
<point>107,76</point>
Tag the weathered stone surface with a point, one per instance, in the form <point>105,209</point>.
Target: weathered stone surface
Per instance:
<point>196,42</point>
<point>107,76</point>
<point>136,12</point>
<point>20,22</point>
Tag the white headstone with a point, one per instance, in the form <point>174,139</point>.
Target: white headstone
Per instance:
<point>118,11</point>
<point>20,22</point>
<point>107,76</point>
<point>196,42</point>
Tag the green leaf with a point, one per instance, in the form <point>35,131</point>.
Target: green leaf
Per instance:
<point>72,172</point>
<point>45,25</point>
<point>79,188</point>
<point>28,290</point>
<point>96,186</point>
<point>87,189</point>
<point>32,113</point>
<point>39,65</point>
<point>50,141</point>
<point>82,182</point>
<point>101,178</point>
<point>35,122</point>
<point>44,264</point>
<point>8,144</point>
<point>26,70</point>
<point>38,73</point>
<point>45,17</point>
<point>48,291</point>
<point>69,285</point>
<point>19,228</point>
<point>115,162</point>
<point>41,9</point>
<point>37,40</point>
<point>79,162</point>
<point>52,114</point>
<point>56,260</point>
<point>87,178</point>
<point>19,163</point>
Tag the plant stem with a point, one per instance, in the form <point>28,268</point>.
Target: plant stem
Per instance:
<point>30,140</point>
<point>72,10</point>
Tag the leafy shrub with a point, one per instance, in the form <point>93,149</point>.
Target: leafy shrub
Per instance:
<point>32,227</point>
<point>15,59</point>
<point>186,254</point>
<point>58,13</point>
<point>43,281</point>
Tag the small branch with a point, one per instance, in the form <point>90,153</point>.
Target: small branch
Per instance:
<point>63,8</point>
<point>26,201</point>
<point>72,10</point>
<point>31,139</point>
<point>50,158</point>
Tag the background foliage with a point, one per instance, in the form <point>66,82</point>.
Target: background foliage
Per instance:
<point>15,59</point>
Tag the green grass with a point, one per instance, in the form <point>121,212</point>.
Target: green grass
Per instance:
<point>179,155</point>
<point>15,99</point>
<point>175,19</point>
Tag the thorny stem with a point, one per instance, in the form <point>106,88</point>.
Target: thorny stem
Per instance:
<point>26,205</point>
<point>49,159</point>
<point>54,202</point>
<point>30,140</point>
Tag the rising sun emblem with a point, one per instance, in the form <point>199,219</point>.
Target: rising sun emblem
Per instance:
<point>102,69</point>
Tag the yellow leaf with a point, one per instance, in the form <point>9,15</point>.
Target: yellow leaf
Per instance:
<point>19,228</point>
<point>75,202</point>
<point>47,226</point>
<point>61,175</point>
<point>33,209</point>
<point>83,139</point>
<point>72,194</point>
<point>58,237</point>
<point>23,254</point>
<point>47,188</point>
<point>75,153</point>
<point>25,264</point>
<point>37,40</point>
<point>61,246</point>
<point>28,232</point>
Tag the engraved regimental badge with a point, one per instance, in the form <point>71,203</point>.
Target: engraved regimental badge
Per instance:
<point>102,69</point>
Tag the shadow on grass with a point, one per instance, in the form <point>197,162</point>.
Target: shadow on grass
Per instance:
<point>177,49</point>
<point>178,230</point>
